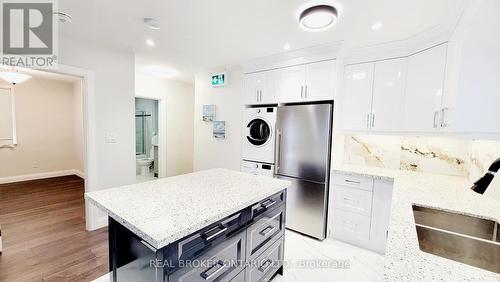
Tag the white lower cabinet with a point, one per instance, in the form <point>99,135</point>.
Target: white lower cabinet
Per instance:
<point>360,210</point>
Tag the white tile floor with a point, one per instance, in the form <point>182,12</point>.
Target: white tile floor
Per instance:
<point>357,264</point>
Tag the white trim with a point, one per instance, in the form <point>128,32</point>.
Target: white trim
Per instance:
<point>93,218</point>
<point>79,173</point>
<point>42,175</point>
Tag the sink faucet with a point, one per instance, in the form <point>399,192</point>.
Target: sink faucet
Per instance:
<point>482,184</point>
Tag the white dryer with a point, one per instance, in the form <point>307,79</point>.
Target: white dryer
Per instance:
<point>257,168</point>
<point>258,135</point>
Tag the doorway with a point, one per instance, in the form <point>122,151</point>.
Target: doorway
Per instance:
<point>146,139</point>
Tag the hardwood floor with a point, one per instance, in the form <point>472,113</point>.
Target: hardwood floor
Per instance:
<point>43,233</point>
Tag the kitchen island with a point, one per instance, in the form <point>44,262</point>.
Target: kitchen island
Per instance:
<point>213,225</point>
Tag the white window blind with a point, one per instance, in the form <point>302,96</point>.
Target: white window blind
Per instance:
<point>7,118</point>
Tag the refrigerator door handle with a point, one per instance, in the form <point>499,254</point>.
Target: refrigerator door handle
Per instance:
<point>278,151</point>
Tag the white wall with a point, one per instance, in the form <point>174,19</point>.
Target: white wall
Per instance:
<point>176,115</point>
<point>46,122</point>
<point>112,111</point>
<point>210,152</point>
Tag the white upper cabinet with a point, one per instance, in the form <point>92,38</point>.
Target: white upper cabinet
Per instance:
<point>424,90</point>
<point>320,81</point>
<point>356,104</point>
<point>291,84</point>
<point>310,82</point>
<point>388,95</point>
<point>261,88</point>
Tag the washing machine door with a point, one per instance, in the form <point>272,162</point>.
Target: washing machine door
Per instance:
<point>259,132</point>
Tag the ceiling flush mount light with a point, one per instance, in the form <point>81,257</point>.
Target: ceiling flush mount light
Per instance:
<point>13,76</point>
<point>318,17</point>
<point>286,47</point>
<point>151,23</point>
<point>150,42</point>
<point>376,26</point>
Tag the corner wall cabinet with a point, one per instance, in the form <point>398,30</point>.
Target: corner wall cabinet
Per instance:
<point>423,106</point>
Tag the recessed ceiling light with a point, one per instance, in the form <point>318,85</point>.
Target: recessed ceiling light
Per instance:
<point>287,47</point>
<point>150,42</point>
<point>160,71</point>
<point>152,23</point>
<point>318,17</point>
<point>376,25</point>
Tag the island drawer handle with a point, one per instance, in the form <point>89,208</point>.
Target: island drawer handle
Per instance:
<point>267,230</point>
<point>265,266</point>
<point>216,234</point>
<point>207,276</point>
<point>270,204</point>
<point>353,182</point>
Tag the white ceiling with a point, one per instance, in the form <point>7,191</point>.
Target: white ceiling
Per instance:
<point>197,35</point>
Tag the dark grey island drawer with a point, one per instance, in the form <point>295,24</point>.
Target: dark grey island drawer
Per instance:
<point>221,263</point>
<point>265,266</point>
<point>199,243</point>
<point>265,231</point>
<point>267,204</point>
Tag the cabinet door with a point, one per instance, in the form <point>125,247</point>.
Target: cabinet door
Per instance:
<point>253,83</point>
<point>270,88</point>
<point>320,81</point>
<point>291,84</point>
<point>388,95</point>
<point>424,89</point>
<point>357,97</point>
<point>381,213</point>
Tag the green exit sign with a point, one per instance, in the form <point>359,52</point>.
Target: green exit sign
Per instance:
<point>218,80</point>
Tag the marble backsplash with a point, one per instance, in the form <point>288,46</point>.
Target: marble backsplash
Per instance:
<point>439,155</point>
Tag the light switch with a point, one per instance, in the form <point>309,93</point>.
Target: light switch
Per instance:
<point>111,138</point>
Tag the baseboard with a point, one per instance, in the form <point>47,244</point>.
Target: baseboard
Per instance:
<point>79,173</point>
<point>43,175</point>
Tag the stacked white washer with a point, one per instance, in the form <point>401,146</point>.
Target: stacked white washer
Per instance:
<point>259,141</point>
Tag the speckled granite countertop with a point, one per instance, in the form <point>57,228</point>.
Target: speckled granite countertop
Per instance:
<point>403,259</point>
<point>165,210</point>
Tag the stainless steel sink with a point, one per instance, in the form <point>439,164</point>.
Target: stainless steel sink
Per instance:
<point>466,239</point>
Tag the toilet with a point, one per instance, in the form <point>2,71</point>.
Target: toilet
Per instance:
<point>143,164</point>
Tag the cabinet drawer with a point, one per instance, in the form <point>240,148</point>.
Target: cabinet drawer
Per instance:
<point>264,267</point>
<point>352,200</point>
<point>199,243</point>
<point>350,227</point>
<point>259,209</point>
<point>356,182</point>
<point>265,231</point>
<point>220,263</point>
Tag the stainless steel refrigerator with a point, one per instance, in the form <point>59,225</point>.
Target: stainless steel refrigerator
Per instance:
<point>303,142</point>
